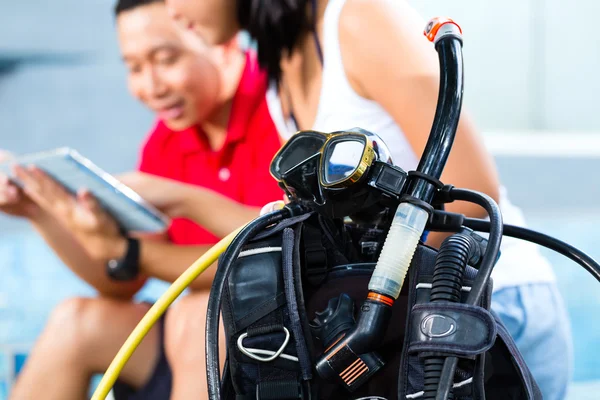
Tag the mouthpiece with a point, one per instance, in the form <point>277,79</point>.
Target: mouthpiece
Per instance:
<point>440,27</point>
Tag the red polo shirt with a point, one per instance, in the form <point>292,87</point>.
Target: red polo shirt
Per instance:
<point>239,170</point>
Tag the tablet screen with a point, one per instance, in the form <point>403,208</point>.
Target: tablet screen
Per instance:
<point>75,172</point>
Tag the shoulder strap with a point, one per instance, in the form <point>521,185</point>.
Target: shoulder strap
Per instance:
<point>315,255</point>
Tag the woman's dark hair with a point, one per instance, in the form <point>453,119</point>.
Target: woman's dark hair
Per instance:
<point>126,5</point>
<point>276,26</point>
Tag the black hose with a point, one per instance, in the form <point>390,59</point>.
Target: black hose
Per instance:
<point>541,239</point>
<point>432,372</point>
<point>494,241</point>
<point>216,292</point>
<point>483,275</point>
<point>450,264</point>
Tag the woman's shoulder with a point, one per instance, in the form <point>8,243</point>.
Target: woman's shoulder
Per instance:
<point>358,15</point>
<point>375,23</point>
<point>376,30</point>
<point>382,41</point>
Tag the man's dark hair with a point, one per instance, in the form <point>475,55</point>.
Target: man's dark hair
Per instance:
<point>276,25</point>
<point>126,5</point>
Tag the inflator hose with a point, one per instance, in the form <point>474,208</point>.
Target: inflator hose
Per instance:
<point>450,264</point>
<point>216,292</point>
<point>494,240</point>
<point>156,311</point>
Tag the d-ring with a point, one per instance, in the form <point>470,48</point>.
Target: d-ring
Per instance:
<point>263,359</point>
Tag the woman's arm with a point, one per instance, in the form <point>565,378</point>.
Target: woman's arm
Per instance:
<point>388,59</point>
<point>216,213</point>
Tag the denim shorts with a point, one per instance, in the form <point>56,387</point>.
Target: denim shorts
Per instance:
<point>536,318</point>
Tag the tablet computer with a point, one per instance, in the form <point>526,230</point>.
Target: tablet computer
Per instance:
<point>75,172</point>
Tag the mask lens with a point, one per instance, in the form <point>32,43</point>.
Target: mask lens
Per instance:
<point>342,160</point>
<point>302,181</point>
<point>298,149</point>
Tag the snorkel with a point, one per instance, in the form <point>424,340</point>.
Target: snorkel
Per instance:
<point>349,359</point>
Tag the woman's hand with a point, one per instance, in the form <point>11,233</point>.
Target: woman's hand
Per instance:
<point>81,214</point>
<point>274,206</point>
<point>12,199</point>
<point>168,195</point>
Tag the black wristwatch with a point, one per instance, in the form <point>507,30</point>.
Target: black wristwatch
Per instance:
<point>126,268</point>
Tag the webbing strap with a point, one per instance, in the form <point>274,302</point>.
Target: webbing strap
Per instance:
<point>315,255</point>
<point>279,390</point>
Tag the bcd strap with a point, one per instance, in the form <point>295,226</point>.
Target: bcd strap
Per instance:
<point>275,390</point>
<point>451,329</point>
<point>264,329</point>
<point>315,255</point>
<point>279,390</point>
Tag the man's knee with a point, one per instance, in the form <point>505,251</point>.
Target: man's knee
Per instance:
<point>192,304</point>
<point>76,324</point>
<point>185,335</point>
<point>187,315</point>
<point>184,328</point>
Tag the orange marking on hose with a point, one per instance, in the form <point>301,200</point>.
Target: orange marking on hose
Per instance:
<point>351,368</point>
<point>336,341</point>
<point>338,349</point>
<point>355,371</point>
<point>388,301</point>
<point>358,374</point>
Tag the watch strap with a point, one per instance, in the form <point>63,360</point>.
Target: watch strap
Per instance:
<point>127,268</point>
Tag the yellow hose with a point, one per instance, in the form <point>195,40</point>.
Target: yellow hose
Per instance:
<point>155,312</point>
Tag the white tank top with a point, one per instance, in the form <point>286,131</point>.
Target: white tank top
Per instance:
<point>340,107</point>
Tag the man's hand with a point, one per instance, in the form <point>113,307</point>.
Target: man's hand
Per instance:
<point>81,214</point>
<point>168,195</point>
<point>12,199</point>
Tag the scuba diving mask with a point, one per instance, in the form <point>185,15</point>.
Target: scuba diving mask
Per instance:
<point>337,173</point>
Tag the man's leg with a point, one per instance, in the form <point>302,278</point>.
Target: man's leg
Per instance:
<point>185,347</point>
<point>81,338</point>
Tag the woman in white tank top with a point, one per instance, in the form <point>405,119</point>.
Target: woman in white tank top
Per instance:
<point>337,64</point>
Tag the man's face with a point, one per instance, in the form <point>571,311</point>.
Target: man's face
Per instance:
<point>215,21</point>
<point>179,84</point>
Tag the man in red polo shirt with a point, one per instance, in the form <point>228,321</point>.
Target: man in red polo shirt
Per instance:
<point>205,164</point>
